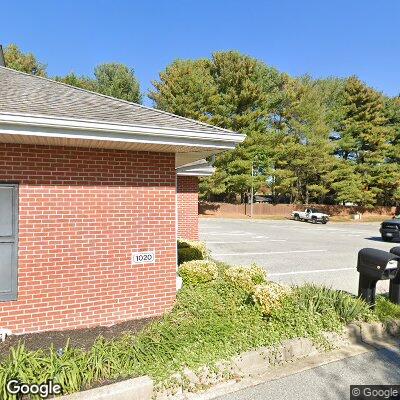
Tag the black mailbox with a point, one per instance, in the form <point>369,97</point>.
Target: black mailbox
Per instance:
<point>375,265</point>
<point>395,250</point>
<point>394,287</point>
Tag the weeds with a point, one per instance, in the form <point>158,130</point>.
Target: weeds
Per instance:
<point>320,300</point>
<point>385,310</point>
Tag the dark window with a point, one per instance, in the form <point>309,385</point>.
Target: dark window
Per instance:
<point>8,241</point>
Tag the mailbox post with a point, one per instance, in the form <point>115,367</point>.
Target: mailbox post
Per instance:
<point>375,265</point>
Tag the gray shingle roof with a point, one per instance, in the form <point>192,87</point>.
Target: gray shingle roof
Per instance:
<point>22,93</point>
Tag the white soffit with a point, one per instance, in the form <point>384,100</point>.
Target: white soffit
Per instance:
<point>24,129</point>
<point>197,168</point>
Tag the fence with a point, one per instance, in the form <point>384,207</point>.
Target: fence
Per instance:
<point>284,210</point>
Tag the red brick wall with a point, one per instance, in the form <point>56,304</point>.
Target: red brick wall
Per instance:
<point>188,215</point>
<point>81,214</point>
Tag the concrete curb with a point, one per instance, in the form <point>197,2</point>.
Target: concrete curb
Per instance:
<point>257,362</point>
<point>373,333</point>
<point>249,365</point>
<point>140,388</point>
<point>252,367</point>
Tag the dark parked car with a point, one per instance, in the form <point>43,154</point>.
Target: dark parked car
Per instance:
<point>390,229</point>
<point>258,198</point>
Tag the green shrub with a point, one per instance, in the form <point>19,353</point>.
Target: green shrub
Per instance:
<point>198,271</point>
<point>189,254</point>
<point>269,296</point>
<point>189,250</point>
<point>319,300</point>
<point>245,278</point>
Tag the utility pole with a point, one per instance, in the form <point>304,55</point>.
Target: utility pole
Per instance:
<point>252,190</point>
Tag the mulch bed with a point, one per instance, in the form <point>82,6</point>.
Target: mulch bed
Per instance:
<point>82,338</point>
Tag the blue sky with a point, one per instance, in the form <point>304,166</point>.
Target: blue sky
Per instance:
<point>321,38</point>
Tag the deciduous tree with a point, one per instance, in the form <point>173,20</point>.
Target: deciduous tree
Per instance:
<point>115,80</point>
<point>25,62</point>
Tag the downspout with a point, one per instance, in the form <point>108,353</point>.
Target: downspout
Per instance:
<point>178,278</point>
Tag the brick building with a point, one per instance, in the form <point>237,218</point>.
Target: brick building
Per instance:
<point>188,197</point>
<point>88,204</point>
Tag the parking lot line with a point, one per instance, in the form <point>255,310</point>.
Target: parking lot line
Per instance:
<point>245,241</point>
<point>270,252</point>
<point>229,234</point>
<point>314,271</point>
<point>229,242</point>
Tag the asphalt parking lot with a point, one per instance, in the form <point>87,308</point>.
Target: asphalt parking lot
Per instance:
<point>295,252</point>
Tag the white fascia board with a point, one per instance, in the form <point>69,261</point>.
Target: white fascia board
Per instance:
<point>17,124</point>
<point>196,173</point>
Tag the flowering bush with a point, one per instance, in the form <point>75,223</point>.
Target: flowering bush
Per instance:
<point>198,271</point>
<point>245,278</point>
<point>269,296</point>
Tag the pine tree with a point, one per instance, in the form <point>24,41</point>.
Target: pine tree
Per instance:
<point>232,91</point>
<point>328,140</point>
<point>304,154</point>
<point>392,113</point>
<point>364,138</point>
<point>392,187</point>
<point>186,88</point>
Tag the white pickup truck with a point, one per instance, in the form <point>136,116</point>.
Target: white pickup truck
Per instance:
<point>310,214</point>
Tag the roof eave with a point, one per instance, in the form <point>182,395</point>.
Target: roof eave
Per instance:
<point>200,168</point>
<point>40,126</point>
<point>198,173</point>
